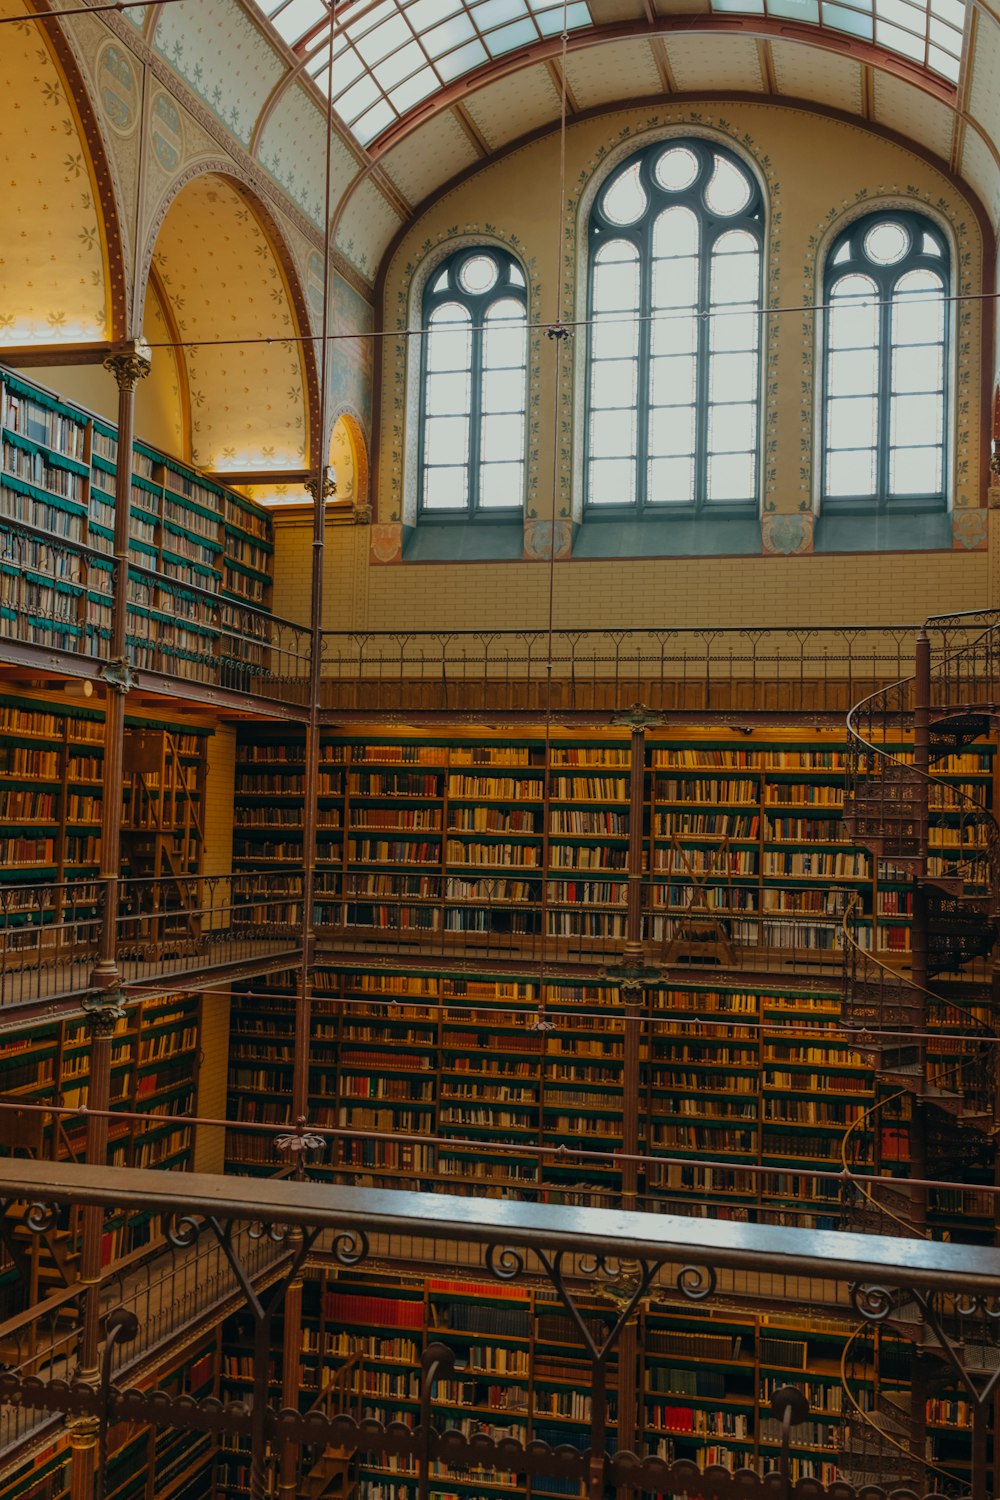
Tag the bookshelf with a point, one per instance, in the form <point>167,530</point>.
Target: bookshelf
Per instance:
<point>197,551</point>
<point>472,840</point>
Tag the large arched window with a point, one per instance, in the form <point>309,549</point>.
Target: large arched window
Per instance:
<point>884,430</point>
<point>674,368</point>
<point>473,386</point>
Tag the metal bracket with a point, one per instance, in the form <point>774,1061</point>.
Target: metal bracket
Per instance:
<point>639,717</point>
<point>118,674</point>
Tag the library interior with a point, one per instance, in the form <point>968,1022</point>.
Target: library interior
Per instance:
<point>498,894</point>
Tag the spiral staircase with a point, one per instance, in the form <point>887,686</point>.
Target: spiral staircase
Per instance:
<point>927,1024</point>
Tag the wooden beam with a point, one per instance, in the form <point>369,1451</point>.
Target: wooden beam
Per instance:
<point>259,476</point>
<point>33,356</point>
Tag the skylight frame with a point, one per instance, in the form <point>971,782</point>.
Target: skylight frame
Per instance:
<point>452,38</point>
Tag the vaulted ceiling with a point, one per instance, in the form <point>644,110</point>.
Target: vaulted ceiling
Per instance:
<point>423,90</point>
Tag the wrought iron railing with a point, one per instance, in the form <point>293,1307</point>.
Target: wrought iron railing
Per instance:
<point>598,1273</point>
<point>59,594</point>
<point>49,933</point>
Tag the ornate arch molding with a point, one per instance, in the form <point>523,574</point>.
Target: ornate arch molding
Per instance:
<point>398,499</point>
<point>629,140</point>
<point>351,419</point>
<point>116,256</point>
<point>968,409</point>
<point>244,185</point>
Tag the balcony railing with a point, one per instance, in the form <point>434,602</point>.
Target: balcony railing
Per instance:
<point>59,595</point>
<point>49,933</point>
<point>596,1272</point>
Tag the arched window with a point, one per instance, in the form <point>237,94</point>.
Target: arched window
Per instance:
<point>674,354</point>
<point>886,325</point>
<point>473,386</point>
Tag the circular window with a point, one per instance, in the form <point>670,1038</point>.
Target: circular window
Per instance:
<point>677,169</point>
<point>886,243</point>
<point>477,274</point>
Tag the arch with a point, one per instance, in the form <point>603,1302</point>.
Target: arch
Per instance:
<point>579,216</point>
<point>232,293</point>
<point>62,266</point>
<point>402,488</point>
<point>349,458</point>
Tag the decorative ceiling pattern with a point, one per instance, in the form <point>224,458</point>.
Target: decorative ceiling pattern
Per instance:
<point>223,57</point>
<point>618,70</point>
<point>810,73</point>
<point>160,400</point>
<point>417,164</point>
<point>705,63</point>
<point>367,225</point>
<point>53,273</point>
<point>520,102</point>
<point>295,119</point>
<point>224,286</point>
<point>905,109</point>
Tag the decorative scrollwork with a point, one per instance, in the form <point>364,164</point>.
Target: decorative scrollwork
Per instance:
<point>350,1246</point>
<point>41,1217</point>
<point>695,1283</point>
<point>276,1233</point>
<point>872,1303</point>
<point>182,1233</point>
<point>504,1263</point>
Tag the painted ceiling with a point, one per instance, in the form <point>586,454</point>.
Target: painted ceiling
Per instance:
<point>422,90</point>
<point>53,280</point>
<point>248,405</point>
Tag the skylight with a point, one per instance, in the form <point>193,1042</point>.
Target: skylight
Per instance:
<point>390,55</point>
<point>927,31</point>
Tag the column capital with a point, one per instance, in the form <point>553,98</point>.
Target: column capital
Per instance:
<point>82,1431</point>
<point>103,1012</point>
<point>639,717</point>
<point>329,481</point>
<point>130,363</point>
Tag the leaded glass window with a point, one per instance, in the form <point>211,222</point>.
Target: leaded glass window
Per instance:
<point>473,385</point>
<point>884,427</point>
<point>673,387</point>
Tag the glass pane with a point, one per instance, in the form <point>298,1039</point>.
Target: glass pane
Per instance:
<point>672,381</point>
<point>501,437</point>
<point>671,334</point>
<point>671,481</point>
<point>613,383</point>
<point>732,429</point>
<point>675,283</point>
<point>446,395</point>
<point>854,372</point>
<point>915,471</point>
<point>501,485</point>
<point>626,199</point>
<point>478,274</point>
<point>616,280</point>
<point>504,335</point>
<point>851,422</point>
<point>503,390</point>
<point>449,344</point>
<point>732,330</point>
<point>671,431</point>
<point>731,476</point>
<point>446,489</point>
<point>918,368</point>
<point>446,440</point>
<point>914,420</point>
<point>612,481</point>
<point>677,169</point>
<point>851,473</point>
<point>612,433</point>
<point>918,309</point>
<point>675,233</point>
<point>886,243</point>
<point>614,338</point>
<point>735,278</point>
<point>732,377</point>
<point>852,325</point>
<point>729,190</point>
<point>516,276</point>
